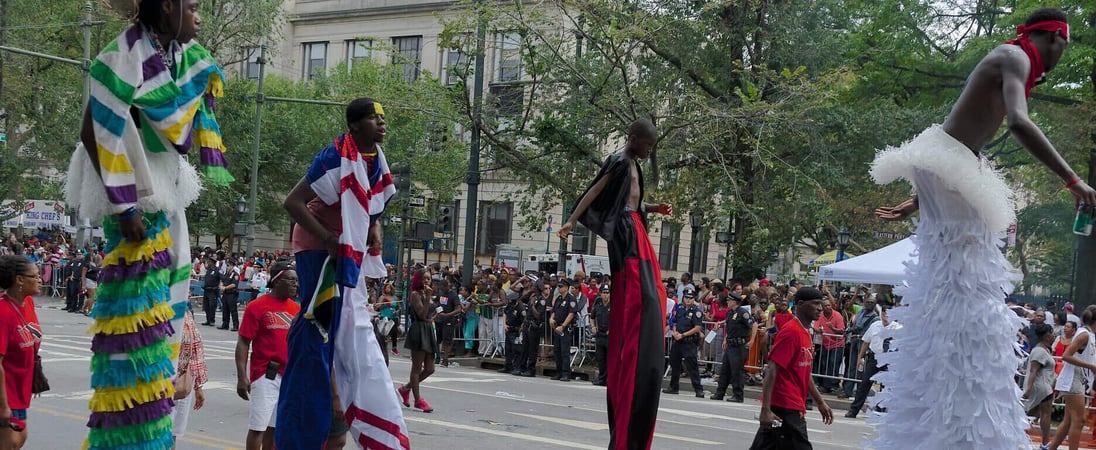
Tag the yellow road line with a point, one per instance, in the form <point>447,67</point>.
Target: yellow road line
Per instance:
<point>202,440</point>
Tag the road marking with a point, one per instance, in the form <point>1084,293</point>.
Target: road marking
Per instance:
<point>700,415</point>
<point>466,380</point>
<point>198,440</point>
<point>554,442</point>
<point>586,425</point>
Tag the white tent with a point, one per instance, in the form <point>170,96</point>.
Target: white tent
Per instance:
<point>882,266</point>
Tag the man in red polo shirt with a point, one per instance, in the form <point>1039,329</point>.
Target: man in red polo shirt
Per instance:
<point>788,380</point>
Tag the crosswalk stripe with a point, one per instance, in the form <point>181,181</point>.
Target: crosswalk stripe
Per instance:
<point>524,437</point>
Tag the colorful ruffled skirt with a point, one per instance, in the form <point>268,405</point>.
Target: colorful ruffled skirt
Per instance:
<point>141,301</point>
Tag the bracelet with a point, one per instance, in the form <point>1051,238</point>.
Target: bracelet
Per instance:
<point>1073,182</point>
<point>132,211</point>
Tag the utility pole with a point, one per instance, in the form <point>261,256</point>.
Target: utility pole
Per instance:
<point>254,182</point>
<point>473,176</point>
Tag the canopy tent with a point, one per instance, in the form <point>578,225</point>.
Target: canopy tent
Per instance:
<point>829,257</point>
<point>882,266</point>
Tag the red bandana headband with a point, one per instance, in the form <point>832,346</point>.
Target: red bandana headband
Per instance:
<point>1038,71</point>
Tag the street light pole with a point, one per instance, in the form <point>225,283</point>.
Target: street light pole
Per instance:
<point>472,178</point>
<point>842,242</point>
<point>254,182</point>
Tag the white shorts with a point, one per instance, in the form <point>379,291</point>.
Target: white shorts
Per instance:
<point>90,284</point>
<point>263,406</point>
<point>181,414</point>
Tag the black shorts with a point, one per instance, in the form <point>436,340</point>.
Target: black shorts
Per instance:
<point>790,435</point>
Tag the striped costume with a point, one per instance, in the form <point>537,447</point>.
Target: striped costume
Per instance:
<point>145,117</point>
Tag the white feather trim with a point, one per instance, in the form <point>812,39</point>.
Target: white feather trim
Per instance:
<point>174,185</point>
<point>957,166</point>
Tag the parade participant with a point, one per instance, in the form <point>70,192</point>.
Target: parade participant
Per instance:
<point>190,374</point>
<point>534,329</point>
<point>600,322</point>
<point>514,314</point>
<point>788,380</point>
<point>91,281</point>
<point>337,207</point>
<point>259,378</point>
<point>965,210</point>
<point>688,323</point>
<point>562,317</point>
<point>741,331</point>
<point>152,99</point>
<point>420,340</point>
<point>613,208</point>
<point>20,337</point>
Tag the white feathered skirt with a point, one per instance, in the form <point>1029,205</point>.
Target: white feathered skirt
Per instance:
<point>950,383</point>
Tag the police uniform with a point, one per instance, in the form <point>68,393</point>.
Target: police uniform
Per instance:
<point>739,324</point>
<point>563,307</point>
<point>514,316</point>
<point>211,293</point>
<point>533,330</point>
<point>600,316</point>
<point>686,319</point>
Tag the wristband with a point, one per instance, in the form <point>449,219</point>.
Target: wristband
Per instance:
<point>1073,182</point>
<point>132,211</point>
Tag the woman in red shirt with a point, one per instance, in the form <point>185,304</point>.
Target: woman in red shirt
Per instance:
<point>20,336</point>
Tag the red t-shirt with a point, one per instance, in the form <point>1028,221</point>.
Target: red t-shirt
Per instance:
<point>793,352</point>
<point>19,340</point>
<point>266,322</point>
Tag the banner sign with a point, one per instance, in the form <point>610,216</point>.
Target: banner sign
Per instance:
<point>40,214</point>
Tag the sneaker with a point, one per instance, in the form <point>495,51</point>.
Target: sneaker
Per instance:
<point>842,396</point>
<point>735,399</point>
<point>851,414</point>
<point>395,351</point>
<point>405,393</point>
<point>716,397</point>
<point>422,405</point>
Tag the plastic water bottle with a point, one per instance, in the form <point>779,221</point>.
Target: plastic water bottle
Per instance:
<point>1082,225</point>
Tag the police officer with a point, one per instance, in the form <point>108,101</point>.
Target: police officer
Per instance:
<point>688,321</point>
<point>563,316</point>
<point>599,317</point>
<point>211,292</point>
<point>230,295</point>
<point>740,328</point>
<point>513,317</point>
<point>534,327</point>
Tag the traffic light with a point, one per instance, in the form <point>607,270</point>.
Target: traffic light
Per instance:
<point>447,218</point>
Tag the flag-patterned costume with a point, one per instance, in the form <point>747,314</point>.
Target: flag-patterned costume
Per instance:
<point>145,117</point>
<point>334,330</point>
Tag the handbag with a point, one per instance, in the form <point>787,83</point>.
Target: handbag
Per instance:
<point>39,383</point>
<point>184,384</point>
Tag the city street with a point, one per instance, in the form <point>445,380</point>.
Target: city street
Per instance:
<point>474,408</point>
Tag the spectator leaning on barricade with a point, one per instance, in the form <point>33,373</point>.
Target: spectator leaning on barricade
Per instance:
<point>831,327</point>
<point>860,323</point>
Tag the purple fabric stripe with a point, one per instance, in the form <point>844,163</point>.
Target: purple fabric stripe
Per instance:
<point>125,343</point>
<point>152,66</point>
<point>145,412</point>
<point>185,147</point>
<point>160,260</point>
<point>122,195</point>
<point>213,157</point>
<point>133,34</point>
<point>211,102</point>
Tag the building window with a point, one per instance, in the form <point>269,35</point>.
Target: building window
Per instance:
<point>457,66</point>
<point>251,64</point>
<point>494,227</point>
<point>582,240</point>
<point>507,99</point>
<point>698,251</point>
<point>668,245</point>
<point>408,56</point>
<point>315,60</point>
<point>508,58</point>
<point>358,50</point>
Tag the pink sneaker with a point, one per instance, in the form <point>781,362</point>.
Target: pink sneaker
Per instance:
<point>395,351</point>
<point>421,404</point>
<point>405,393</point>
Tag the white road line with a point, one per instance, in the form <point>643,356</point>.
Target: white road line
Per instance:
<point>544,440</point>
<point>586,425</point>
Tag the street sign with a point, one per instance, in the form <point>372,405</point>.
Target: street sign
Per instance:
<point>3,137</point>
<point>417,201</point>
<point>887,235</point>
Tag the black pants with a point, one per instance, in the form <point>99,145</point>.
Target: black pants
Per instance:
<point>685,349</point>
<point>209,304</point>
<point>852,346</point>
<point>530,347</point>
<point>871,367</point>
<point>601,354</point>
<point>229,309</point>
<point>73,299</point>
<point>562,353</point>
<point>790,435</point>
<point>732,370</point>
<point>514,356</point>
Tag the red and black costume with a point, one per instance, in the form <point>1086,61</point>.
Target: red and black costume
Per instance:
<point>636,344</point>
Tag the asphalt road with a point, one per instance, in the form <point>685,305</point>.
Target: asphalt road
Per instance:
<point>474,408</point>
